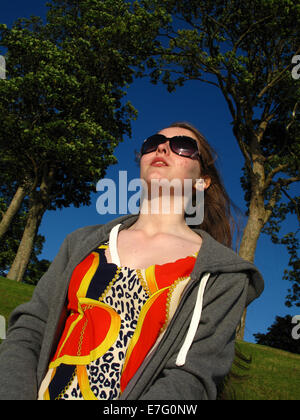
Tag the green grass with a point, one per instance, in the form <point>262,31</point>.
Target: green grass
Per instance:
<point>273,374</point>
<point>12,294</point>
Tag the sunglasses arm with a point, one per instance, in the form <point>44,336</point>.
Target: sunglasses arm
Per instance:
<point>198,155</point>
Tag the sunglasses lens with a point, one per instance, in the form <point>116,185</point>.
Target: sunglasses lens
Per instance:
<point>181,145</point>
<point>184,146</point>
<point>151,144</point>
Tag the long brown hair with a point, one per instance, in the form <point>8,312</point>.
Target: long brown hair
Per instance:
<point>218,220</point>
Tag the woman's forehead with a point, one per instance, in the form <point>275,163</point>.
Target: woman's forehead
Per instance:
<point>177,131</point>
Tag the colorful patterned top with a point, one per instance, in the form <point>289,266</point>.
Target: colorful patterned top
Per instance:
<point>116,316</point>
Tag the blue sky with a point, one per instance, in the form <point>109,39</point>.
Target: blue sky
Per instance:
<point>203,106</point>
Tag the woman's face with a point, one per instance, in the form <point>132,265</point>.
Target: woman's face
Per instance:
<point>172,166</point>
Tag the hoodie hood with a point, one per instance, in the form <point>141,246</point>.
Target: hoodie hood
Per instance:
<point>213,258</point>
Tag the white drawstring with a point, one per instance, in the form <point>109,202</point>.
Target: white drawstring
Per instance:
<point>181,358</point>
<point>113,248</point>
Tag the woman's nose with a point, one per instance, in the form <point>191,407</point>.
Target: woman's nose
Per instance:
<point>163,147</point>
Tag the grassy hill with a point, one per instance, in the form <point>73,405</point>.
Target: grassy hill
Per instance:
<point>13,294</point>
<point>273,374</point>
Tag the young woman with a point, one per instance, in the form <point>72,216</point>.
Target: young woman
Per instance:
<point>144,307</point>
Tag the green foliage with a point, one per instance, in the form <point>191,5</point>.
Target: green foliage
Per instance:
<point>62,107</point>
<point>63,102</point>
<point>52,123</point>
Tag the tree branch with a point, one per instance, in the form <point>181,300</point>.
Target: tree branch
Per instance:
<point>250,29</point>
<point>204,80</point>
<point>293,117</point>
<point>285,182</point>
<point>270,206</point>
<point>275,171</point>
<point>276,79</point>
<point>294,202</point>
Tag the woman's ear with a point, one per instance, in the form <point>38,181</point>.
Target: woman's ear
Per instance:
<point>203,183</point>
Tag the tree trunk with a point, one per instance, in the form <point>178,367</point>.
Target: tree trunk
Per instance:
<point>249,242</point>
<point>22,258</point>
<point>38,205</point>
<point>250,238</point>
<point>12,210</point>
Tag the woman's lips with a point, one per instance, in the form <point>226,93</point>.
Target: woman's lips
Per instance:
<point>158,162</point>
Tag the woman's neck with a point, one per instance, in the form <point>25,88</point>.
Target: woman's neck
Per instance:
<point>159,216</point>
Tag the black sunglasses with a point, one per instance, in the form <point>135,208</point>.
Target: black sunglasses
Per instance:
<point>181,145</point>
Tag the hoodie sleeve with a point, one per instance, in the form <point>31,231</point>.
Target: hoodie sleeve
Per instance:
<point>211,355</point>
<point>19,353</point>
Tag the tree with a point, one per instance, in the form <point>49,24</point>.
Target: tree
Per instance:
<point>245,49</point>
<point>12,193</point>
<point>9,247</point>
<point>56,143</point>
<point>280,335</point>
<point>63,102</point>
<point>284,138</point>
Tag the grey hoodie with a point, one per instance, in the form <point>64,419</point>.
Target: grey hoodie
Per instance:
<point>195,353</point>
